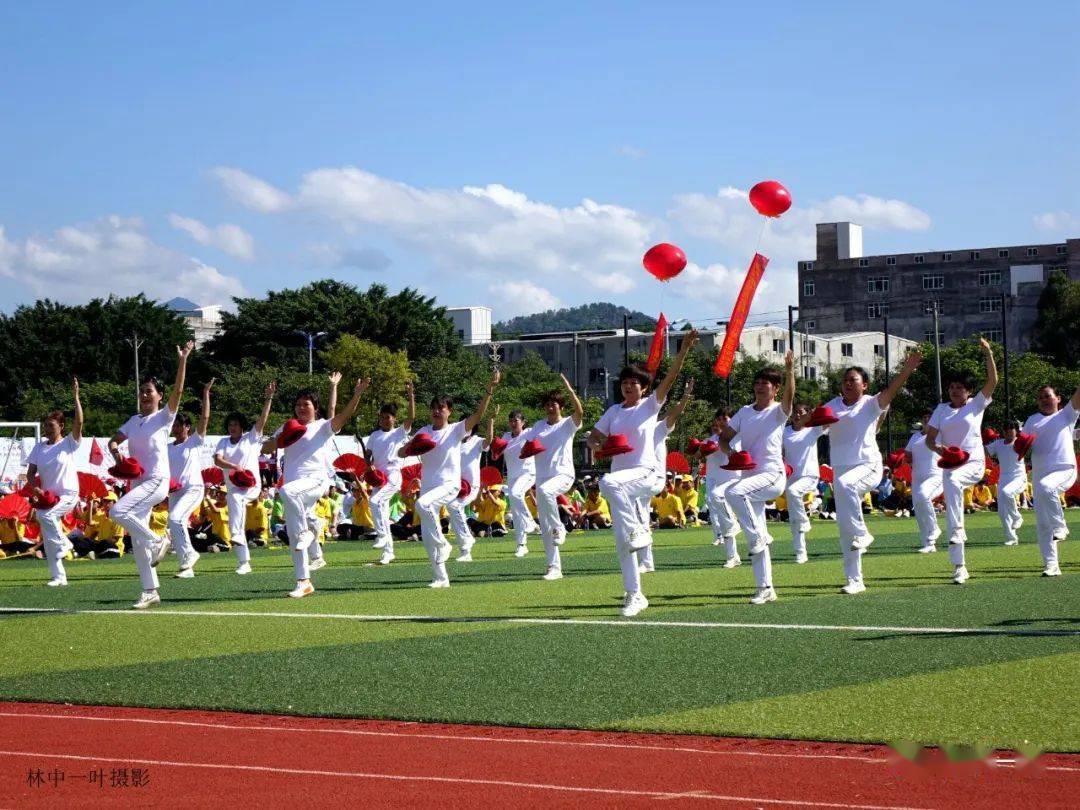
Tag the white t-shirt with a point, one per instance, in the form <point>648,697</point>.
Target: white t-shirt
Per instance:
<point>660,434</point>
<point>637,423</point>
<point>383,446</point>
<point>185,461</point>
<point>148,441</point>
<point>244,452</point>
<point>800,451</point>
<point>1053,449</point>
<point>1011,465</point>
<point>853,439</point>
<point>56,465</point>
<point>558,442</point>
<point>515,466</point>
<point>714,463</point>
<point>309,456</point>
<point>442,464</point>
<point>962,427</point>
<point>471,449</point>
<point>923,459</point>
<point>761,434</point>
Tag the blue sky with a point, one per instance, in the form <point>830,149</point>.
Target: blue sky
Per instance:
<point>517,158</point>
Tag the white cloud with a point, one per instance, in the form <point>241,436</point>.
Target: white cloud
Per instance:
<point>1057,222</point>
<point>111,255</point>
<point>512,298</point>
<point>230,239</point>
<point>251,191</point>
<point>716,286</point>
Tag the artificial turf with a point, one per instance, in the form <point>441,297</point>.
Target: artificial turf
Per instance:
<point>1013,688</point>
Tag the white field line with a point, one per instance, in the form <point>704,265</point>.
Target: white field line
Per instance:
<point>362,617</point>
<point>647,794</point>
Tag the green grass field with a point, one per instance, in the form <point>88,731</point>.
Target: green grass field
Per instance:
<point>471,662</point>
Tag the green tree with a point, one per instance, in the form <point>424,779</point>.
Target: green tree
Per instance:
<point>464,377</point>
<point>1056,333</point>
<point>356,358</point>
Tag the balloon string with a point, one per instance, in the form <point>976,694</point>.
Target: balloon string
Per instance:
<point>761,233</point>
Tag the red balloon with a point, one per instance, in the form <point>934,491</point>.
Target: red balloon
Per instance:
<point>770,198</point>
<point>665,261</point>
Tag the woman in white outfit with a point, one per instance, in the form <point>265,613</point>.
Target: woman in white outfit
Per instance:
<point>53,459</point>
<point>856,460</point>
<point>760,428</point>
<point>927,484</point>
<point>381,449</point>
<point>472,446</point>
<point>237,454</point>
<point>147,437</point>
<point>1053,469</point>
<point>717,482</point>
<point>440,475</point>
<point>800,451</point>
<point>554,469</point>
<point>185,472</point>
<point>307,441</point>
<point>958,423</point>
<point>520,478</point>
<point>632,475</point>
<point>1012,481</point>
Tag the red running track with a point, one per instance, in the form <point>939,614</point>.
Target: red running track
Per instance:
<point>208,759</point>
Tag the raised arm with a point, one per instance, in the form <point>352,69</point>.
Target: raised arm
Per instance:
<point>885,397</point>
<point>77,422</point>
<point>268,400</point>
<point>579,410</point>
<point>788,399</point>
<point>339,420</point>
<point>474,419</point>
<point>680,406</point>
<point>676,367</point>
<point>204,417</point>
<point>491,429</point>
<point>181,372</point>
<point>991,368</point>
<point>114,445</point>
<point>411,416</point>
<point>331,400</point>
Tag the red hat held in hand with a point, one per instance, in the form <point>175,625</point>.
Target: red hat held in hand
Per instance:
<point>821,416</point>
<point>953,457</point>
<point>291,432</point>
<point>614,445</point>
<point>466,488</point>
<point>989,435</point>
<point>895,459</point>
<point>419,444</point>
<point>498,446</point>
<point>214,477</point>
<point>739,460</point>
<point>708,447</point>
<point>127,469</point>
<point>531,448</point>
<point>46,500</point>
<point>242,478</point>
<point>375,477</point>
<point>1022,443</point>
<point>693,446</point>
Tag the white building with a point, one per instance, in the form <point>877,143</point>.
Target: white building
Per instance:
<point>472,324</point>
<point>205,322</point>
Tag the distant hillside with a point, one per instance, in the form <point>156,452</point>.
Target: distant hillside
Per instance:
<point>574,319</point>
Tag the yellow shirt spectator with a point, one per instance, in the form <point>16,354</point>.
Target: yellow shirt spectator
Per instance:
<point>688,496</point>
<point>668,507</point>
<point>530,501</point>
<point>219,521</point>
<point>324,511</point>
<point>491,510</point>
<point>597,503</point>
<point>257,519</point>
<point>159,519</point>
<point>11,531</point>
<point>982,495</point>
<point>361,511</point>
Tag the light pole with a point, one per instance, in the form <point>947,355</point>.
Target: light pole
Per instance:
<point>135,343</point>
<point>311,337</point>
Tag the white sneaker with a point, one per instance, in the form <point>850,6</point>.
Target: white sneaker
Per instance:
<point>243,568</point>
<point>961,575</point>
<point>634,604</point>
<point>522,550</point>
<point>640,540</point>
<point>146,599</point>
<point>1018,523</point>
<point>465,556</point>
<point>443,553</point>
<point>930,549</point>
<point>553,574</point>
<point>316,564</point>
<point>1012,542</point>
<point>861,543</point>
<point>380,543</point>
<point>801,558</point>
<point>439,583</point>
<point>560,537</point>
<point>57,582</point>
<point>762,596</point>
<point>717,541</point>
<point>301,590</point>
<point>853,586</point>
<point>185,573</point>
<point>732,562</point>
<point>1052,571</point>
<point>306,538</point>
<point>160,552</point>
<point>386,558</point>
<point>645,569</point>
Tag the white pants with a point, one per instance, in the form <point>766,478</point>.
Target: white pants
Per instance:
<point>181,504</point>
<point>720,515</point>
<point>379,500</point>
<point>656,485</point>
<point>1008,509</point>
<point>923,494</point>
<point>796,492</point>
<point>237,501</point>
<point>955,482</point>
<point>429,506</point>
<point>547,514</point>
<point>624,491</point>
<point>132,512</point>
<point>747,497</point>
<point>850,485</point>
<point>459,522</point>
<point>298,498</point>
<point>53,535</point>
<point>1050,524</point>
<point>519,510</point>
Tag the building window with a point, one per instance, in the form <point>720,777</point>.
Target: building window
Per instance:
<point>877,285</point>
<point>807,265</point>
<point>1032,251</point>
<point>461,334</point>
<point>890,260</point>
<point>877,310</point>
<point>989,278</point>
<point>809,372</point>
<point>779,345</point>
<point>946,257</point>
<point>808,289</point>
<point>1061,250</point>
<point>864,262</point>
<point>993,335</point>
<point>879,350</point>
<point>974,255</point>
<point>596,375</point>
<point>919,260</point>
<point>811,325</point>
<point>989,305</point>
<point>933,282</point>
<point>928,336</point>
<point>847,349</point>
<point>595,351</point>
<point>1003,254</point>
<point>809,347</point>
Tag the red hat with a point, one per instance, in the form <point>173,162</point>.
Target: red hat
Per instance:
<point>242,478</point>
<point>739,460</point>
<point>708,447</point>
<point>291,432</point>
<point>174,485</point>
<point>531,448</point>
<point>46,500</point>
<point>895,459</point>
<point>127,468</point>
<point>989,435</point>
<point>420,444</point>
<point>1023,443</point>
<point>466,488</point>
<point>614,445</point>
<point>498,445</point>
<point>821,416</point>
<point>693,446</point>
<point>375,477</point>
<point>952,458</point>
<point>788,470</point>
<point>213,476</point>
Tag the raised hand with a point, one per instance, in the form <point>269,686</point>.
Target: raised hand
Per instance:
<point>914,359</point>
<point>361,386</point>
<point>495,378</point>
<point>271,389</point>
<point>75,386</point>
<point>789,360</point>
<point>335,377</point>
<point>208,386</point>
<point>689,390</point>
<point>984,344</point>
<point>187,349</point>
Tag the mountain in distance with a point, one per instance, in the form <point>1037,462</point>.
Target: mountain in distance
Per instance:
<point>600,315</point>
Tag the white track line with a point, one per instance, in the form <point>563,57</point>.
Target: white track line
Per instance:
<point>452,737</point>
<point>646,794</point>
<point>361,617</point>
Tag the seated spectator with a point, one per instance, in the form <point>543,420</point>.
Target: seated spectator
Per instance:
<point>360,523</point>
<point>688,496</point>
<point>159,519</point>
<point>595,512</point>
<point>668,508</point>
<point>490,520</point>
<point>13,539</point>
<point>102,537</point>
<point>257,520</point>
<point>981,496</point>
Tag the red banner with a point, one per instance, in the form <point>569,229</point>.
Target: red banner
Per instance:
<point>726,359</point>
<point>656,351</point>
